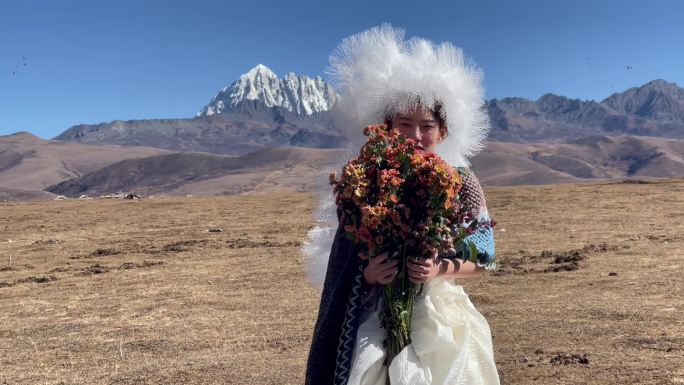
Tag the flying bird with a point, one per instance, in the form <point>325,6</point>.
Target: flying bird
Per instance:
<point>16,66</point>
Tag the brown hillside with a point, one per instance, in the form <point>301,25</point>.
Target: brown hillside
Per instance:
<point>31,163</point>
<point>205,174</point>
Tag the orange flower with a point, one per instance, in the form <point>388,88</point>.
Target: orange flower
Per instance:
<point>374,222</point>
<point>416,159</point>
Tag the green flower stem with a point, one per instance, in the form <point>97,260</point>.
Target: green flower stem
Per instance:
<point>399,300</point>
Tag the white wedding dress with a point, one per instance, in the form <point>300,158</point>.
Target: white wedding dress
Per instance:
<point>451,343</point>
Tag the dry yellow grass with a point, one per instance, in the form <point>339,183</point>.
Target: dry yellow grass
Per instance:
<point>137,292</point>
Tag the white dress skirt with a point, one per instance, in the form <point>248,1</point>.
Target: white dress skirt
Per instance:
<point>451,343</point>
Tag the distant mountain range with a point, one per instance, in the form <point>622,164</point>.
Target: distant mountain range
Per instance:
<point>228,133</point>
<point>259,110</point>
<point>263,133</point>
<point>654,109</point>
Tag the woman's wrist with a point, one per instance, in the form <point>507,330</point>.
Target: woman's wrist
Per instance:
<point>365,279</point>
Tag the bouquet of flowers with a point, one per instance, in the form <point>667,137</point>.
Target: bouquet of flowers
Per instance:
<point>397,198</point>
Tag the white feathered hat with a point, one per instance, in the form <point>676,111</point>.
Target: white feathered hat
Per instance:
<point>378,73</point>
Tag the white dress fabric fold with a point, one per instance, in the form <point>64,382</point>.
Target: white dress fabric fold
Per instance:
<point>451,343</point>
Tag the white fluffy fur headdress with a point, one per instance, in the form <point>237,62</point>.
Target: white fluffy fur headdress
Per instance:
<point>377,74</point>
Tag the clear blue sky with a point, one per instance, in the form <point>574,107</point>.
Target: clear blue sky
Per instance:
<point>96,61</point>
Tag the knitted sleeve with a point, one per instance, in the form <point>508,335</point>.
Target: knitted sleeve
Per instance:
<point>473,199</point>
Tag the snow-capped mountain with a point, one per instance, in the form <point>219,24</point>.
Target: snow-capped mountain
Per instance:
<point>298,94</point>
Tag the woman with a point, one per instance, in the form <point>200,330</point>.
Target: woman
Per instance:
<point>429,93</point>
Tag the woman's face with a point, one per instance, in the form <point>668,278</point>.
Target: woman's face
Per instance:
<point>419,124</point>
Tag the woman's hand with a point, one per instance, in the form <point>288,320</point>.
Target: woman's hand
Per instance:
<point>380,270</point>
<point>423,269</point>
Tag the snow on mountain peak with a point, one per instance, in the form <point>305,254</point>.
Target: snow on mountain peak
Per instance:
<point>299,94</point>
<point>260,69</point>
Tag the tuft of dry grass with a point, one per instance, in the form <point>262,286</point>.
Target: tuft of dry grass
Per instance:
<point>127,292</point>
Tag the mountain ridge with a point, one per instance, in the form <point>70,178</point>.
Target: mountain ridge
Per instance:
<point>653,109</point>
